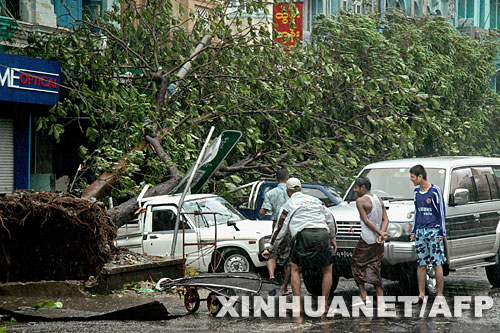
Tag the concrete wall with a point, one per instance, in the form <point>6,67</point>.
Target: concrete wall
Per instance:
<point>38,12</point>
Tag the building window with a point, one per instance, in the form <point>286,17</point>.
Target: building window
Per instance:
<point>310,9</point>
<point>307,16</point>
<point>94,6</point>
<point>465,13</point>
<point>9,8</point>
<point>357,7</point>
<point>497,80</point>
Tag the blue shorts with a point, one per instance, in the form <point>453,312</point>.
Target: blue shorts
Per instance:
<point>429,251</point>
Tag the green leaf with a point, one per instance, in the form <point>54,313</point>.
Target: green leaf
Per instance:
<point>435,104</point>
<point>92,134</point>
<point>49,305</point>
<point>236,179</point>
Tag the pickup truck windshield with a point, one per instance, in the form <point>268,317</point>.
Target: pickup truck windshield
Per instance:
<point>225,212</point>
<point>394,184</point>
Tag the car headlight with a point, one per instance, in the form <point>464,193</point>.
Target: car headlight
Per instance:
<point>398,229</point>
<point>394,230</point>
<point>264,243</point>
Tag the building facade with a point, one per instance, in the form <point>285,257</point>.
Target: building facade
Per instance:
<point>29,87</point>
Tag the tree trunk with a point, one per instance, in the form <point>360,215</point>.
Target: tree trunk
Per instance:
<point>99,188</point>
<point>124,212</point>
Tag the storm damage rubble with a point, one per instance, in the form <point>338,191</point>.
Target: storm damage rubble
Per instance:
<point>53,236</point>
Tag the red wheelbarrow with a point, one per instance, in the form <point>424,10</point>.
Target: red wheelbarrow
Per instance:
<point>219,284</point>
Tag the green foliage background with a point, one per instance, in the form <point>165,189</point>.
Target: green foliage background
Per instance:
<point>366,90</point>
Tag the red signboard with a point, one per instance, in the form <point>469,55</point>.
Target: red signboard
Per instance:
<point>282,21</point>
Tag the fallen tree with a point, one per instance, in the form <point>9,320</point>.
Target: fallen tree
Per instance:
<point>367,90</point>
<point>51,236</point>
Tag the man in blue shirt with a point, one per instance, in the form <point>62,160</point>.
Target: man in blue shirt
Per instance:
<point>274,199</point>
<point>428,229</point>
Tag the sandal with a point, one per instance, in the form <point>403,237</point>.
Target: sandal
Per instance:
<point>420,300</point>
<point>286,293</point>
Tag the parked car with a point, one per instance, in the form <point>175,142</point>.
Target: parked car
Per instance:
<point>238,239</point>
<point>471,190</point>
<point>248,198</point>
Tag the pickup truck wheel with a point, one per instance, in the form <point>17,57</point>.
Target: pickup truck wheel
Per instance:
<point>233,260</point>
<point>493,273</point>
<point>313,279</point>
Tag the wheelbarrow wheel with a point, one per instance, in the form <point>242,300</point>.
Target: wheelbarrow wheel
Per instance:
<point>192,300</point>
<point>213,304</point>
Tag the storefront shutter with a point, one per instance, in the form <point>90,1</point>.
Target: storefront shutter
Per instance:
<point>6,155</point>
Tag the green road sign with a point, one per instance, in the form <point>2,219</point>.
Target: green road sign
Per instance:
<point>213,157</point>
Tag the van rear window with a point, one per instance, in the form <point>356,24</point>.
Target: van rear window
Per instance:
<point>485,183</point>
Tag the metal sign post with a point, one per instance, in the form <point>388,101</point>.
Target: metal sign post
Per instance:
<point>188,188</point>
<point>209,160</point>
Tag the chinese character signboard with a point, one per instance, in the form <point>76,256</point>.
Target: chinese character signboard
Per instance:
<point>29,80</point>
<point>283,16</point>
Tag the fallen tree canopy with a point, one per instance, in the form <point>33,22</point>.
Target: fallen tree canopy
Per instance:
<point>51,236</point>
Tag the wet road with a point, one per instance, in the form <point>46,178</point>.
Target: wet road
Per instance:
<point>471,282</point>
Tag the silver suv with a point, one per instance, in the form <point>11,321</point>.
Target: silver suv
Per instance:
<point>471,190</point>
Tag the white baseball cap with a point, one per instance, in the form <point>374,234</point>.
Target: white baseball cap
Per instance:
<point>293,183</point>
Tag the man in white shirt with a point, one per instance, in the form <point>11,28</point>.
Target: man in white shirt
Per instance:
<point>313,230</point>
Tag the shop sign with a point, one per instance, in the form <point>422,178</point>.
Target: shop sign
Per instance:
<point>29,80</point>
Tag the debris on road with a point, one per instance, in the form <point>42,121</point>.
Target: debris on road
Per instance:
<point>153,310</point>
<point>124,256</point>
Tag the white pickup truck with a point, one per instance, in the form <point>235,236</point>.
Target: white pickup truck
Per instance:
<point>239,241</point>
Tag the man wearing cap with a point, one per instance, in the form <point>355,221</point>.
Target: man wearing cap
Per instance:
<point>313,230</point>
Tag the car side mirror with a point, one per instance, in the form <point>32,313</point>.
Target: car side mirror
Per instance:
<point>232,224</point>
<point>461,196</point>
